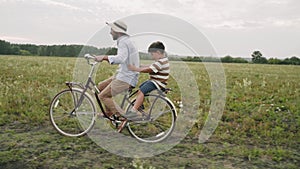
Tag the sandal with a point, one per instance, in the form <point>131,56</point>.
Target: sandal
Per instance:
<point>122,125</point>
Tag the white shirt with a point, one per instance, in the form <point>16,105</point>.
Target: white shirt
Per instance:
<point>127,54</point>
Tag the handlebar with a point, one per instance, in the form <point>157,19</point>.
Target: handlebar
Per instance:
<point>88,57</point>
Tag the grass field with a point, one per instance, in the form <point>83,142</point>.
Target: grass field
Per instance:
<point>259,127</point>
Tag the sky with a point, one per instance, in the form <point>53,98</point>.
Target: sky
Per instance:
<point>233,27</point>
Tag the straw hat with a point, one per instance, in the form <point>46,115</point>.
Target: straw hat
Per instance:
<point>118,26</point>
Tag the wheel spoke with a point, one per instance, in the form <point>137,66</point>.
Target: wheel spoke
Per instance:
<point>160,123</point>
<point>78,122</point>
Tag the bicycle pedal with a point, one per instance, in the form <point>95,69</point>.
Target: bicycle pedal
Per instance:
<point>114,123</point>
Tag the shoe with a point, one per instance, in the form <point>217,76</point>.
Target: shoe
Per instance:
<point>122,125</point>
<point>142,107</point>
<point>131,115</point>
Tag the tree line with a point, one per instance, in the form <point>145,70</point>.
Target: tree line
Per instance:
<point>256,58</point>
<point>7,48</point>
<point>226,59</point>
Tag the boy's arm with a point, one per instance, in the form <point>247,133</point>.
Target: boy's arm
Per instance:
<point>144,65</point>
<point>145,69</point>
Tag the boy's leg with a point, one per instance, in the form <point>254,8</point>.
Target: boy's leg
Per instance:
<point>139,100</point>
<point>145,88</point>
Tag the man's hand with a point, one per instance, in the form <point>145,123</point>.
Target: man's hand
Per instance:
<point>99,58</point>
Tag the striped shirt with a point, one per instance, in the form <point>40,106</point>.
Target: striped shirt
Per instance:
<point>161,70</point>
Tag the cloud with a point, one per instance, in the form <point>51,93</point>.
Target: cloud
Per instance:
<point>66,21</point>
<point>277,2</point>
<point>14,39</point>
<point>235,25</point>
<point>60,4</point>
<point>216,14</point>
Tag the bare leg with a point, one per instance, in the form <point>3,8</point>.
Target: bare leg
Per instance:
<point>139,100</point>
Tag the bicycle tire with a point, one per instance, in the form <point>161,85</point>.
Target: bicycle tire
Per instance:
<point>68,121</point>
<point>160,121</point>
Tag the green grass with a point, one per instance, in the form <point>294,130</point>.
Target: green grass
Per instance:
<point>259,127</point>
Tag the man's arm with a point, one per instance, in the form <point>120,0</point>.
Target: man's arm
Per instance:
<point>121,56</point>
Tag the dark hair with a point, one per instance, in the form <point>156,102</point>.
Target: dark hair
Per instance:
<point>157,46</point>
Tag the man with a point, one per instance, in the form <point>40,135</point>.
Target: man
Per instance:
<point>127,55</point>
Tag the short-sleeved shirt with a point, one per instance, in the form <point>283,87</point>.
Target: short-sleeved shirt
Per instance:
<point>161,70</point>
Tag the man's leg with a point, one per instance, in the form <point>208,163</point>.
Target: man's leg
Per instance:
<point>101,86</point>
<point>114,88</point>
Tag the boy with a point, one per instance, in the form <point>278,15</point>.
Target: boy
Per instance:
<point>159,74</point>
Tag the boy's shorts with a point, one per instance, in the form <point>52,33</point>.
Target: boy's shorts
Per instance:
<point>147,87</point>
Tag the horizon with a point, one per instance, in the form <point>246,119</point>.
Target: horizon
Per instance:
<point>145,52</point>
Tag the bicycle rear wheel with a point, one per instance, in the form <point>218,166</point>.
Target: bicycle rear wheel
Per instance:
<point>159,122</point>
<point>70,121</point>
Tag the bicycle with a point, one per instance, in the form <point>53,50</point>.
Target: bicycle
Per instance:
<point>73,111</point>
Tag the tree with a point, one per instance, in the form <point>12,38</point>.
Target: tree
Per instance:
<point>5,47</point>
<point>111,51</point>
<point>294,60</point>
<point>258,58</point>
<point>274,61</point>
<point>14,50</point>
<point>24,52</point>
<point>227,59</point>
<point>291,61</point>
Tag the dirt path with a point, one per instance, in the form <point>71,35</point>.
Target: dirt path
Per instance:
<point>22,146</point>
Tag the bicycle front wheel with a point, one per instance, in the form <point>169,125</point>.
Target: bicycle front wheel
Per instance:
<point>72,112</point>
<point>159,120</point>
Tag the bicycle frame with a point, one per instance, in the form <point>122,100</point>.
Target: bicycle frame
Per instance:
<point>95,90</point>
<point>156,123</point>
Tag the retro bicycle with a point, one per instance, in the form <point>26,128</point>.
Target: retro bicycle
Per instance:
<point>73,111</point>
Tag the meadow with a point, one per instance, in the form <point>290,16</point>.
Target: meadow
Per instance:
<point>259,127</point>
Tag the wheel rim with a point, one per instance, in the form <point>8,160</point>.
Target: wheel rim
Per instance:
<point>77,123</point>
<point>160,124</point>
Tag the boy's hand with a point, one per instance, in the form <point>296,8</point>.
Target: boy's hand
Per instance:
<point>132,67</point>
